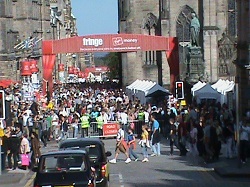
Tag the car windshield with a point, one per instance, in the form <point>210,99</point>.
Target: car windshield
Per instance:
<point>94,150</point>
<point>59,163</point>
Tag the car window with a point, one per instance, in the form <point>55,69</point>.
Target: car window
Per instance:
<point>60,163</point>
<point>94,150</point>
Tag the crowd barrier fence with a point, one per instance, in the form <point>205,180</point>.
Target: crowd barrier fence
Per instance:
<point>110,128</point>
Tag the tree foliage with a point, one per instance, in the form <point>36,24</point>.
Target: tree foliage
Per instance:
<point>112,61</point>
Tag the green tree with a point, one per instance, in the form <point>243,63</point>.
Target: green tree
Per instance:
<point>112,61</point>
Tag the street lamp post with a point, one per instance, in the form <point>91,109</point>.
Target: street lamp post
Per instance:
<point>237,120</point>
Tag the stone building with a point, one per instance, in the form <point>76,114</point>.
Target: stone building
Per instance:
<point>243,56</point>
<point>24,24</point>
<point>169,18</point>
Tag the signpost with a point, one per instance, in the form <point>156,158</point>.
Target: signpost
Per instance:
<point>109,129</point>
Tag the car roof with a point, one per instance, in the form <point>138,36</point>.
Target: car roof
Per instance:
<point>61,152</point>
<point>81,140</point>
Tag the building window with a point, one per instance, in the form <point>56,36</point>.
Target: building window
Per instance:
<point>8,8</point>
<point>124,9</point>
<point>232,18</point>
<point>164,9</point>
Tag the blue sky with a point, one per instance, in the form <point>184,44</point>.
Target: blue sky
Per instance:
<point>95,16</point>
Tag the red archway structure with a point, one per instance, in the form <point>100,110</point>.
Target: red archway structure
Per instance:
<point>109,43</point>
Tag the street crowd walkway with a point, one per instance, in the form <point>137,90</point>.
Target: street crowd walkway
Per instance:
<point>224,167</point>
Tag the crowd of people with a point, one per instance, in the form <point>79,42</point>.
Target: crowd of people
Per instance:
<point>197,129</point>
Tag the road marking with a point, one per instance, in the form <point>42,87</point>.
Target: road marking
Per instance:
<point>206,173</point>
<point>121,179</point>
<point>30,181</point>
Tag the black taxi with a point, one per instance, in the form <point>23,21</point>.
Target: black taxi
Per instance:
<point>65,169</point>
<point>97,154</point>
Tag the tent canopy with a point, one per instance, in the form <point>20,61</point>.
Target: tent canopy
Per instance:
<point>223,86</point>
<point>143,89</point>
<point>207,92</point>
<point>157,91</point>
<point>197,86</point>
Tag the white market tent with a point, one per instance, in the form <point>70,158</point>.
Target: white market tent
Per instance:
<point>224,86</point>
<point>157,91</point>
<point>206,92</point>
<point>142,89</point>
<point>197,86</point>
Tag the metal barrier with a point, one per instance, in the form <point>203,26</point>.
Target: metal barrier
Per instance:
<point>110,129</point>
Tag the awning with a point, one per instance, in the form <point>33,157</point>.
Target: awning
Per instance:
<point>6,83</point>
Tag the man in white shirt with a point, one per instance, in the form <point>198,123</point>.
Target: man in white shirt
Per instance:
<point>244,138</point>
<point>124,121</point>
<point>55,124</point>
<point>146,116</point>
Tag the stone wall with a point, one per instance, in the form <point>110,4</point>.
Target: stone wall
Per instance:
<point>213,18</point>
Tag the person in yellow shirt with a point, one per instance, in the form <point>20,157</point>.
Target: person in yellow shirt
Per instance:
<point>50,105</point>
<point>144,142</point>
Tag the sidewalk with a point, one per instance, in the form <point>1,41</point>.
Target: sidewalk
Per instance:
<point>12,177</point>
<point>230,167</point>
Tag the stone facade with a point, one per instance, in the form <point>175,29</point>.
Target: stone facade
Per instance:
<point>22,19</point>
<point>173,21</point>
<point>243,56</point>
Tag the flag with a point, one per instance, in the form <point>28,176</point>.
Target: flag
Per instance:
<point>26,43</point>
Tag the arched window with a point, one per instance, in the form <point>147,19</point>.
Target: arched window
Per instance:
<point>183,34</point>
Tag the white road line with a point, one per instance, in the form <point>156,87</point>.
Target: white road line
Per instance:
<point>121,179</point>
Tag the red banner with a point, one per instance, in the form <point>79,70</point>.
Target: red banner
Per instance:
<point>70,70</point>
<point>75,71</point>
<point>110,129</point>
<point>107,43</point>
<point>25,70</point>
<point>33,66</point>
<point>48,65</point>
<point>60,67</point>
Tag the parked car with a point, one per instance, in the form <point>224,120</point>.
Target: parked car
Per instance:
<point>68,168</point>
<point>98,156</point>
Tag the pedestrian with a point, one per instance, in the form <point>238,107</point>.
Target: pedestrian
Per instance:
<point>35,147</point>
<point>85,124</point>
<point>182,134</point>
<point>144,143</point>
<point>5,147</point>
<point>30,123</point>
<point>75,122</point>
<point>193,139</point>
<point>25,150</point>
<point>244,138</point>
<point>228,133</point>
<point>55,124</point>
<point>132,145</point>
<point>121,146</point>
<point>63,129</point>
<point>200,136</point>
<point>155,136</point>
<point>207,140</point>
<point>173,135</point>
<point>100,122</point>
<point>14,144</point>
<point>44,133</point>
